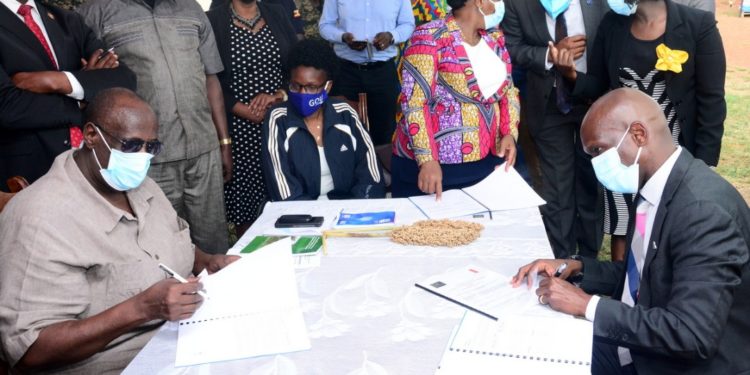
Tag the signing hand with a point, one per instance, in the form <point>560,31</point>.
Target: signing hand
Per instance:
<point>170,300</point>
<point>564,62</point>
<point>348,39</point>
<point>508,151</point>
<point>47,82</point>
<point>382,40</point>
<point>546,267</point>
<point>563,296</point>
<point>430,179</point>
<point>101,60</point>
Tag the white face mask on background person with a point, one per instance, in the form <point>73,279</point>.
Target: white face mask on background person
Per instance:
<point>125,170</point>
<point>614,175</point>
<point>493,20</point>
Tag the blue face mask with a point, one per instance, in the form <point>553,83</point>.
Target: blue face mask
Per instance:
<point>555,7</point>
<point>613,174</point>
<point>622,8</point>
<point>125,170</point>
<point>491,21</point>
<point>307,104</point>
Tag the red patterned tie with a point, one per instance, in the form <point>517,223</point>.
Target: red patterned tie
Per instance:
<point>76,136</point>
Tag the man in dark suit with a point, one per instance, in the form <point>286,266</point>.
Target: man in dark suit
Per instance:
<point>680,302</point>
<point>568,184</point>
<point>49,64</point>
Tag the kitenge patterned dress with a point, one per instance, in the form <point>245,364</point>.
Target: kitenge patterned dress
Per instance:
<point>256,68</point>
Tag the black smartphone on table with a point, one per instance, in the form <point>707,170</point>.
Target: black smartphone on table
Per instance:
<point>298,221</point>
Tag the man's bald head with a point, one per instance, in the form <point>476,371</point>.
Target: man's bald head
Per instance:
<point>121,111</point>
<point>616,111</point>
<point>635,118</point>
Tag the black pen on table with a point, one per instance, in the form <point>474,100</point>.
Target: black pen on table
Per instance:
<point>179,278</point>
<point>559,271</point>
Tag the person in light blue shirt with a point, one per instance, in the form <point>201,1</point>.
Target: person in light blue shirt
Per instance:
<point>364,34</point>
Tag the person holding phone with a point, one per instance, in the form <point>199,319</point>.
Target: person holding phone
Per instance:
<point>364,34</point>
<point>461,109</point>
<point>315,147</point>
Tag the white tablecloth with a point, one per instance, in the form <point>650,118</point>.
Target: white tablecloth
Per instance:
<point>363,313</point>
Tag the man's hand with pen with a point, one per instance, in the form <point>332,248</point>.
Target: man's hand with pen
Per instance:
<point>170,299</point>
<point>554,290</point>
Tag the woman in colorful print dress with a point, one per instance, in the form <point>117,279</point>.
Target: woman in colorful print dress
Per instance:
<point>460,108</point>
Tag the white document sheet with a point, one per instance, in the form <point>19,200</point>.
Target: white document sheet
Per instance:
<point>252,309</point>
<point>452,204</point>
<point>503,190</point>
<point>519,345</point>
<point>486,292</point>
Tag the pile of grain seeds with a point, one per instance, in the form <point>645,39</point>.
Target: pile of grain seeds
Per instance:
<point>449,233</point>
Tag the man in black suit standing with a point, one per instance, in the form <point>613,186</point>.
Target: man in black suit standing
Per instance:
<point>532,29</point>
<point>50,63</point>
<point>681,300</point>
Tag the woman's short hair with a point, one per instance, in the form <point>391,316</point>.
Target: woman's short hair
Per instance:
<point>314,53</point>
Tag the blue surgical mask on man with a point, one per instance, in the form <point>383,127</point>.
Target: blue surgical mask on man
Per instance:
<point>555,7</point>
<point>622,8</point>
<point>125,170</point>
<point>614,175</point>
<point>491,21</point>
<point>307,104</point>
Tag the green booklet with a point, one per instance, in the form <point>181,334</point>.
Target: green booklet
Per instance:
<point>303,245</point>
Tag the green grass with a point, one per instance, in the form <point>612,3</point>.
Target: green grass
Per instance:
<point>735,149</point>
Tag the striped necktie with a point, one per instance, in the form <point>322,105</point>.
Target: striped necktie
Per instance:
<point>636,258</point>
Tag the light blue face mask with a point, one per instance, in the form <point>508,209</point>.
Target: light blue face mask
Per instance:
<point>555,7</point>
<point>614,175</point>
<point>491,21</point>
<point>622,8</point>
<point>125,170</point>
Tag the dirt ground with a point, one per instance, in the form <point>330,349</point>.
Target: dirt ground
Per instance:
<point>735,32</point>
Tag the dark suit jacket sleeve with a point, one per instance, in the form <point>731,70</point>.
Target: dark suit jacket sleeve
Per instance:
<point>521,53</point>
<point>601,277</point>
<point>94,81</point>
<point>710,71</point>
<point>594,83</point>
<point>24,110</point>
<point>707,255</point>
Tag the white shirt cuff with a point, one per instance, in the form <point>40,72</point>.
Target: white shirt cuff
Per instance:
<point>547,64</point>
<point>591,308</point>
<point>77,92</point>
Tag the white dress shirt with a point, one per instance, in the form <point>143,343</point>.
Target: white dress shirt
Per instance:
<point>326,180</point>
<point>651,192</point>
<point>489,69</point>
<point>574,21</point>
<point>13,6</point>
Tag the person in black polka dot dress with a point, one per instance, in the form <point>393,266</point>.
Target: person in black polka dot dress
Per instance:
<point>254,39</point>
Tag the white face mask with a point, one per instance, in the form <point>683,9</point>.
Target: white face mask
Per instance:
<point>614,175</point>
<point>491,21</point>
<point>125,170</point>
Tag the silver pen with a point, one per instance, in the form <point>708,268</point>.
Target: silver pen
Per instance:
<point>179,278</point>
<point>559,271</point>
